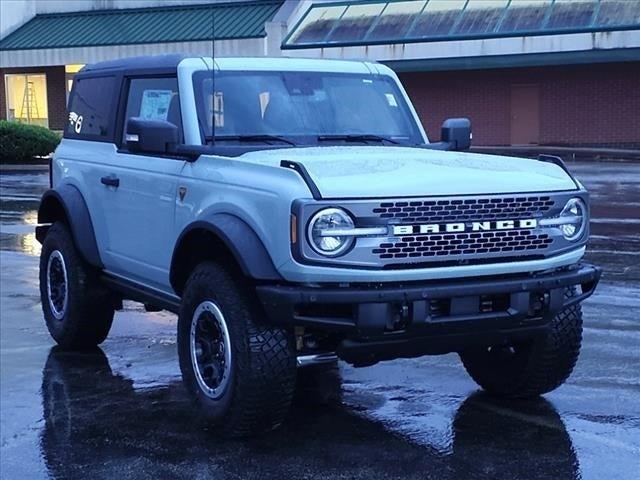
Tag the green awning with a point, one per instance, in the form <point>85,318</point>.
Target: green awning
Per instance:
<point>371,22</point>
<point>232,20</point>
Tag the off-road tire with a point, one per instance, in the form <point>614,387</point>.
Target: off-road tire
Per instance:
<point>262,375</point>
<point>87,315</point>
<point>533,368</point>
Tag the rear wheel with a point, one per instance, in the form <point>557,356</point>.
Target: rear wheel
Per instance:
<point>531,368</point>
<point>240,371</point>
<point>77,308</point>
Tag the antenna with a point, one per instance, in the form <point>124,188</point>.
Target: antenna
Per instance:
<point>213,74</point>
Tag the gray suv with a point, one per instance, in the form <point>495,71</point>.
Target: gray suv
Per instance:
<point>293,212</point>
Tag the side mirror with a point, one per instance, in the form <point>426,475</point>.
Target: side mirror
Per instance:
<point>153,136</point>
<point>456,132</point>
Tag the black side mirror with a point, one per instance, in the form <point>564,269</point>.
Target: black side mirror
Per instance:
<point>456,132</point>
<point>153,136</point>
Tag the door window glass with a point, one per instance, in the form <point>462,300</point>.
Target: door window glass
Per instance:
<point>90,108</point>
<point>153,99</point>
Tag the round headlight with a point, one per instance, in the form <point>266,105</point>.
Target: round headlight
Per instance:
<point>574,216</point>
<point>320,231</point>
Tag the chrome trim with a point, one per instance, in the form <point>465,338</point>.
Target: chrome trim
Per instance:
<point>355,232</point>
<point>316,359</point>
<point>553,222</point>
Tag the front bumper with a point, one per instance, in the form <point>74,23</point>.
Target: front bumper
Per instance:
<point>381,321</point>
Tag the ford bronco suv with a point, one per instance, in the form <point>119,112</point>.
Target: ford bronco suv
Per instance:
<point>292,212</point>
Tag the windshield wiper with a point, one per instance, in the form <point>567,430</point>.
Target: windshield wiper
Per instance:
<point>358,137</point>
<point>254,138</point>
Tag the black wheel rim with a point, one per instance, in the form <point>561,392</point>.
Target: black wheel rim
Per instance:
<point>57,284</point>
<point>210,349</point>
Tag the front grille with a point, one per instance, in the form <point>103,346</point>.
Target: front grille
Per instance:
<point>477,243</point>
<point>461,209</point>
<point>447,231</point>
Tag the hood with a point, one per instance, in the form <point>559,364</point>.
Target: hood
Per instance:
<point>385,172</point>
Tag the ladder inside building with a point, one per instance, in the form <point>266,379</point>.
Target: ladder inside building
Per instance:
<point>29,103</point>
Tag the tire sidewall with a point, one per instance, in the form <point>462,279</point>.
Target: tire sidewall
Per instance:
<point>195,294</point>
<point>59,239</point>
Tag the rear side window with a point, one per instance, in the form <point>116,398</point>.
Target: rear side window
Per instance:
<point>91,108</point>
<point>153,99</point>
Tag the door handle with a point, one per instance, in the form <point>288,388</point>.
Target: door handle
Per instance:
<point>111,181</point>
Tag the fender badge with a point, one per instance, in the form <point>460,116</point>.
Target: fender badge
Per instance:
<point>182,191</point>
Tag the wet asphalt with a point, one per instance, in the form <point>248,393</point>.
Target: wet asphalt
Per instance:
<point>121,411</point>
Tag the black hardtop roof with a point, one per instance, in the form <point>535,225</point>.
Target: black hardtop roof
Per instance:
<point>147,62</point>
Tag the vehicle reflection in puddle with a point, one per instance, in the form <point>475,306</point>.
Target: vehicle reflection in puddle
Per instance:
<point>97,424</point>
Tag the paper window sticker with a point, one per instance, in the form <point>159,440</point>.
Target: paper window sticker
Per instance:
<point>391,99</point>
<point>155,104</point>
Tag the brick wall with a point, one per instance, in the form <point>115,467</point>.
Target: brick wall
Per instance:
<point>56,93</point>
<point>583,105</point>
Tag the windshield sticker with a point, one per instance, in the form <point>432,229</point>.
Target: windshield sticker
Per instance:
<point>319,96</point>
<point>155,104</point>
<point>217,107</point>
<point>264,102</point>
<point>391,99</point>
<point>76,121</point>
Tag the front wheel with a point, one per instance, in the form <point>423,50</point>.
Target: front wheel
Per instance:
<point>240,371</point>
<point>532,368</point>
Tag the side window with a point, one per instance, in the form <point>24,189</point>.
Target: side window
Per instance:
<point>90,109</point>
<point>153,99</point>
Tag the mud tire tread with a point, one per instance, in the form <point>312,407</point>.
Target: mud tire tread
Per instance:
<point>90,310</point>
<point>264,358</point>
<point>551,360</point>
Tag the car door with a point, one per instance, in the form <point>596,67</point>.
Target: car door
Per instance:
<point>139,192</point>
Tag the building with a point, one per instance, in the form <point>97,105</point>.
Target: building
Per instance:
<point>527,72</point>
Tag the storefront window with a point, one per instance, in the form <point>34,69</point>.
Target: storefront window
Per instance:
<point>70,72</point>
<point>27,98</point>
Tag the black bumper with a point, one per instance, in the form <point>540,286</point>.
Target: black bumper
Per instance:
<point>388,321</point>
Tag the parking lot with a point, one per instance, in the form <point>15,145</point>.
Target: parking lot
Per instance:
<point>121,411</point>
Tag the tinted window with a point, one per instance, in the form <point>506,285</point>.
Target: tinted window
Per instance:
<point>153,99</point>
<point>91,106</point>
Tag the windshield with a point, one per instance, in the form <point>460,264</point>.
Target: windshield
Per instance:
<point>303,107</point>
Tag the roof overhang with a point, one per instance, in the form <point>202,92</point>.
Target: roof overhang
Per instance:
<point>87,55</point>
<point>593,47</point>
<point>238,27</point>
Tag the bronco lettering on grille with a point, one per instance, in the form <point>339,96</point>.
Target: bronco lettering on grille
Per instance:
<point>457,227</point>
